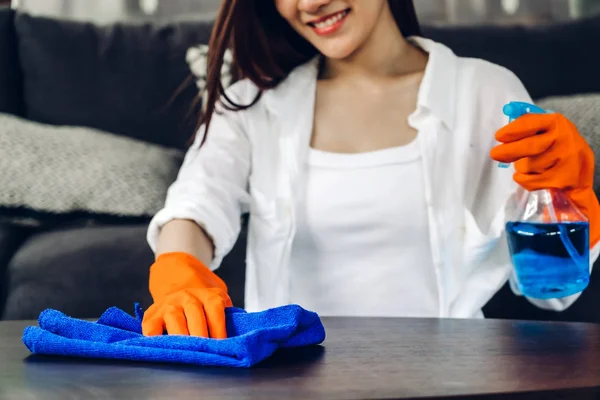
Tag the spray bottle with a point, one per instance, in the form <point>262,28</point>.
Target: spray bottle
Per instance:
<point>548,237</point>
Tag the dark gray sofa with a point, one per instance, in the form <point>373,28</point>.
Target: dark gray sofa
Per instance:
<point>121,78</point>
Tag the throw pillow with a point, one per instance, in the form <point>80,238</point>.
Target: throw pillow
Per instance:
<point>197,59</point>
<point>584,112</point>
<point>64,174</point>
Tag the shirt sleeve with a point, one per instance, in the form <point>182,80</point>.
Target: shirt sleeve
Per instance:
<point>497,184</point>
<point>211,188</point>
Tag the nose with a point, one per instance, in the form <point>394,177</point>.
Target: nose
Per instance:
<point>312,6</point>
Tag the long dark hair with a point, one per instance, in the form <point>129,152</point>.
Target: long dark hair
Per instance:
<point>265,48</point>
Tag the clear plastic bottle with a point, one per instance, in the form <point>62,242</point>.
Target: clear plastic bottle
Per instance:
<point>548,238</point>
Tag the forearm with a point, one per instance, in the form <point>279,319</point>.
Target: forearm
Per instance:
<point>185,236</point>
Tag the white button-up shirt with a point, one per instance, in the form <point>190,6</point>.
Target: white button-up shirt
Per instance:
<point>252,161</point>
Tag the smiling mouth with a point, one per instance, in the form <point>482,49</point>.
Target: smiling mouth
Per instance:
<point>329,20</point>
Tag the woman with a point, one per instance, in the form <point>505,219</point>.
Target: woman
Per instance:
<point>362,152</point>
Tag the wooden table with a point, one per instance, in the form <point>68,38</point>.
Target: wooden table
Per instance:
<point>361,359</point>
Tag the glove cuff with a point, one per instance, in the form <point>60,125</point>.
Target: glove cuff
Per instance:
<point>179,270</point>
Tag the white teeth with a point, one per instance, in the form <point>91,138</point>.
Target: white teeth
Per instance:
<point>330,21</point>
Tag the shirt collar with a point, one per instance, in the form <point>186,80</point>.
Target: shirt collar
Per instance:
<point>296,88</point>
<point>438,86</point>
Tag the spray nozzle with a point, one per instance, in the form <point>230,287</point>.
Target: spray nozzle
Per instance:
<point>516,109</point>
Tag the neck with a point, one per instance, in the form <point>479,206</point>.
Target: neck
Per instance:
<point>385,54</point>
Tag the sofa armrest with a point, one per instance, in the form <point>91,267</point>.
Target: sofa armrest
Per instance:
<point>82,271</point>
<point>11,239</point>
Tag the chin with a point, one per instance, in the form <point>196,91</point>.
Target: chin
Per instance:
<point>337,55</point>
<point>337,51</point>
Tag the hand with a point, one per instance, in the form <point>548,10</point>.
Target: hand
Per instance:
<point>549,152</point>
<point>189,299</point>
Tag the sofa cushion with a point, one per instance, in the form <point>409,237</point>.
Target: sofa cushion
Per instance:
<point>84,271</point>
<point>10,239</point>
<point>11,83</point>
<point>78,271</point>
<point>551,60</point>
<point>121,78</point>
<point>66,174</point>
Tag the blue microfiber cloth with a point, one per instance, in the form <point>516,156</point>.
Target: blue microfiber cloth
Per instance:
<point>252,337</point>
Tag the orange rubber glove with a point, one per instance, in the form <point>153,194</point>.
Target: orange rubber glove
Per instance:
<point>189,299</point>
<point>549,153</point>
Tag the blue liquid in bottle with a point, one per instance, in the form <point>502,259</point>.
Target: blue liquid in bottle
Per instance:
<point>543,267</point>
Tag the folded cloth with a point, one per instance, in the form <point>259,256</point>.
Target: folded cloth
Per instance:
<point>252,337</point>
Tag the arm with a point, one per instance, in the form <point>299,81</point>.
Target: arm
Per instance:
<point>196,228</point>
<point>491,190</point>
<point>520,154</point>
<point>201,215</point>
<point>549,152</point>
<point>185,236</point>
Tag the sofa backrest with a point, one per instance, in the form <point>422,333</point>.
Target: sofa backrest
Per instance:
<point>11,84</point>
<point>119,78</point>
<point>551,60</point>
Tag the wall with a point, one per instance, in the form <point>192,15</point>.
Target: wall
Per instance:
<point>106,11</point>
<point>430,11</point>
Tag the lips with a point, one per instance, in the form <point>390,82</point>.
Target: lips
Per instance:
<point>330,23</point>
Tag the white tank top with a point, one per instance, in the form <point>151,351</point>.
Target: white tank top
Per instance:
<point>362,245</point>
